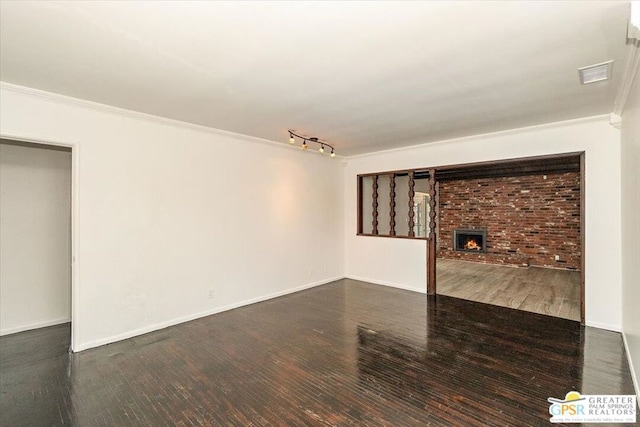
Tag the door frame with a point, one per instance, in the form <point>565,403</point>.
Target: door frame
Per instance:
<point>75,285</point>
<point>432,240</point>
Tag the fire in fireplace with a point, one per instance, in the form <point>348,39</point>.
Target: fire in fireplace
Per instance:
<point>474,240</point>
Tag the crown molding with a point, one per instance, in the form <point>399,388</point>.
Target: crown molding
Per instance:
<point>615,120</point>
<point>628,76</point>
<point>482,136</point>
<point>123,112</point>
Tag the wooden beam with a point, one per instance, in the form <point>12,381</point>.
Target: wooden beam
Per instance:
<point>536,165</point>
<point>431,242</point>
<point>392,205</point>
<point>412,193</point>
<point>582,237</point>
<point>374,206</point>
<point>360,194</point>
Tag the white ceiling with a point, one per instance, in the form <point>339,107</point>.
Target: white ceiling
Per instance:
<point>364,76</point>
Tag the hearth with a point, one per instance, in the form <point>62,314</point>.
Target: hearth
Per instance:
<point>474,240</point>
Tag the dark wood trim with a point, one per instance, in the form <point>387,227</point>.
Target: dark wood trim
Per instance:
<point>582,237</point>
<point>360,211</point>
<point>374,206</point>
<point>399,172</point>
<point>533,164</point>
<point>392,205</point>
<point>515,161</point>
<point>399,236</point>
<point>431,243</point>
<point>511,167</point>
<point>565,162</point>
<point>412,193</point>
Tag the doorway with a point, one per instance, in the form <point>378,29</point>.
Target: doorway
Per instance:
<point>525,221</point>
<point>36,243</point>
<point>526,213</point>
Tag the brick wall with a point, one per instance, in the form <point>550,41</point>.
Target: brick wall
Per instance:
<point>529,219</point>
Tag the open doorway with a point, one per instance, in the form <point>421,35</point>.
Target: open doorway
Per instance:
<point>505,232</point>
<point>36,240</point>
<point>513,235</point>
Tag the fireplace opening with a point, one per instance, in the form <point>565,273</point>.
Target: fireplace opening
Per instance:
<point>470,240</point>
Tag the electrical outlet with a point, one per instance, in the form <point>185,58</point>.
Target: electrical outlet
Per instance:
<point>557,257</point>
<point>212,293</point>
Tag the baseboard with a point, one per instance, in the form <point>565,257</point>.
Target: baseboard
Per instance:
<point>634,378</point>
<point>15,330</point>
<point>194,316</point>
<point>607,326</point>
<point>390,284</point>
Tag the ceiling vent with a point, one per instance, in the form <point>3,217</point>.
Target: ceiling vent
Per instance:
<point>595,73</point>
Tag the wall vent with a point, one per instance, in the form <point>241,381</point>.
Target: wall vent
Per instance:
<point>595,73</point>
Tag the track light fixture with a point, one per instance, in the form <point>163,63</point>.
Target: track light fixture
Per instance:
<point>323,145</point>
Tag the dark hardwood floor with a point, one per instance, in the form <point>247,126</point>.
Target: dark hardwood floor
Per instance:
<point>346,353</point>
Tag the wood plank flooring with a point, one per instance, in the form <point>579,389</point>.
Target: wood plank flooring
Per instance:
<point>347,354</point>
<point>540,290</point>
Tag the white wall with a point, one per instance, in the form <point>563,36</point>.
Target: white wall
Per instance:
<point>166,211</point>
<point>401,262</point>
<point>631,227</point>
<point>35,241</point>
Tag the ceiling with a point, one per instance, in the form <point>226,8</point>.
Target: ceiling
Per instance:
<point>364,76</point>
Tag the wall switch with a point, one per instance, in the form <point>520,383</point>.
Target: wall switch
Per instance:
<point>557,257</point>
<point>212,293</point>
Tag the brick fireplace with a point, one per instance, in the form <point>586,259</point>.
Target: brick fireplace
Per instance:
<point>474,241</point>
<point>527,220</point>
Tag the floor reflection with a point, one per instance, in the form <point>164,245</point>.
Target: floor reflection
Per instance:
<point>348,353</point>
<point>483,361</point>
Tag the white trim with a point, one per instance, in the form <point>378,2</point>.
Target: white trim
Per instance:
<point>189,317</point>
<point>389,284</point>
<point>109,109</point>
<point>75,225</point>
<point>75,245</point>
<point>615,120</point>
<point>42,141</point>
<point>481,136</point>
<point>37,325</point>
<point>631,67</point>
<point>607,326</point>
<point>634,378</point>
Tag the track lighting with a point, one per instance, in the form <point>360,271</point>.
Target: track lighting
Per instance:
<point>305,139</point>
